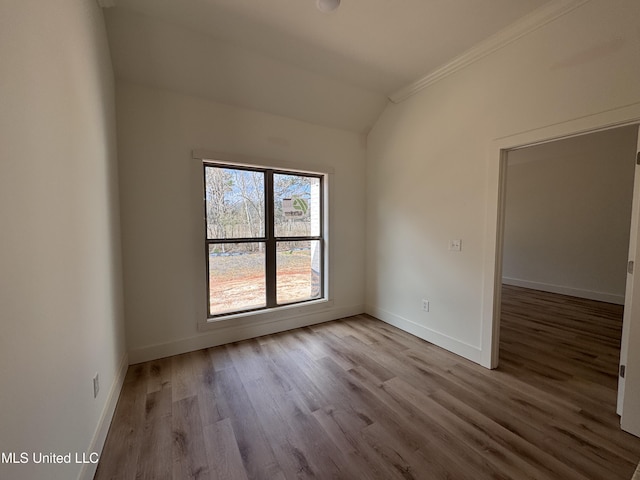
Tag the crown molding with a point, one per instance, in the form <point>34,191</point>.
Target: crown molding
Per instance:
<point>527,24</point>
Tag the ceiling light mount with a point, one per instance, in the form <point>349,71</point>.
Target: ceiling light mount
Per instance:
<point>327,6</point>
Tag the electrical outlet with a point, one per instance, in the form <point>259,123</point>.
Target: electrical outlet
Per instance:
<point>455,245</point>
<point>425,305</point>
<point>96,385</point>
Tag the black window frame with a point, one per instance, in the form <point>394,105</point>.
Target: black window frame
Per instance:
<point>269,239</point>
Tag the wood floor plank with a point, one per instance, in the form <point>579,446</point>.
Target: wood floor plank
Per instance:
<point>156,439</point>
<point>288,362</point>
<point>311,446</point>
<point>223,454</point>
<point>206,375</point>
<point>184,382</point>
<point>255,450</point>
<point>442,453</point>
<point>120,455</point>
<point>544,463</point>
<point>360,355</point>
<point>189,454</point>
<point>358,398</point>
<point>220,358</point>
<point>344,429</point>
<point>286,449</point>
<point>463,434</point>
<point>543,413</point>
<point>159,377</point>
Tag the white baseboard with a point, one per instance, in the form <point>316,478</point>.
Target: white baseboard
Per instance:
<point>563,290</point>
<point>228,334</point>
<point>88,470</point>
<point>470,352</point>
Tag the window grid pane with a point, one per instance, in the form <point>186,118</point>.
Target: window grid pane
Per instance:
<point>296,205</point>
<point>298,271</point>
<point>237,279</point>
<point>235,203</point>
<point>264,238</point>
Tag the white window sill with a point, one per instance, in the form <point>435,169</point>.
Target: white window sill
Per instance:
<point>266,316</point>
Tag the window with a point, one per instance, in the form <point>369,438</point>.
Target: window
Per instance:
<point>264,238</point>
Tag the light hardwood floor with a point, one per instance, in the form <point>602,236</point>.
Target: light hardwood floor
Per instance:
<point>357,399</point>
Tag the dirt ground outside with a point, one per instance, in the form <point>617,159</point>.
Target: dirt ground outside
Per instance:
<point>236,282</point>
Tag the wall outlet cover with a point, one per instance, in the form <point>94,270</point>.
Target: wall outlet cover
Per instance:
<point>455,245</point>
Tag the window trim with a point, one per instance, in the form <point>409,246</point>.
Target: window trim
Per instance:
<point>269,314</point>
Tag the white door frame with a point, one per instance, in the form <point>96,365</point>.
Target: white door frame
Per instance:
<point>629,386</point>
<point>630,285</point>
<point>494,233</point>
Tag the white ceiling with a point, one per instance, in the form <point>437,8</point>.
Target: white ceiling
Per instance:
<point>286,57</point>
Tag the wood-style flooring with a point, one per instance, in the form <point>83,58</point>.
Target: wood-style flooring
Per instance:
<point>359,399</point>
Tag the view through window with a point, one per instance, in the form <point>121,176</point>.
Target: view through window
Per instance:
<point>264,238</point>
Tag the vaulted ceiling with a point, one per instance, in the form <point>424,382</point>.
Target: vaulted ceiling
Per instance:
<point>287,58</point>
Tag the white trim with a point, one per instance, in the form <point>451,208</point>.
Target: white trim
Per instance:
<point>564,290</point>
<point>527,24</point>
<point>470,352</point>
<point>258,162</point>
<point>231,332</point>
<point>88,470</point>
<point>266,315</point>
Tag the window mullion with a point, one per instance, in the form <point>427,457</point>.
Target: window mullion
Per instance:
<point>271,241</point>
<point>297,239</point>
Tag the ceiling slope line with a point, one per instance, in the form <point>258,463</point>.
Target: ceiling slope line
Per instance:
<point>527,24</point>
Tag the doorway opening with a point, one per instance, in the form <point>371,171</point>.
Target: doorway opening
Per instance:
<point>563,242</point>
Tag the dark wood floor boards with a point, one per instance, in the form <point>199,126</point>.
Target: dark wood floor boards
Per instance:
<point>156,438</point>
<point>253,443</point>
<point>223,454</point>
<point>343,429</point>
<point>360,399</point>
<point>159,375</point>
<point>459,388</point>
<point>189,454</point>
<point>124,441</point>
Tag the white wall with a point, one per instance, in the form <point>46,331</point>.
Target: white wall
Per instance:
<point>432,165</point>
<point>162,212</point>
<point>60,265</point>
<point>150,51</point>
<point>568,214</point>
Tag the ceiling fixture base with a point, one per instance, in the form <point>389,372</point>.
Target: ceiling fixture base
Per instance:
<point>327,6</point>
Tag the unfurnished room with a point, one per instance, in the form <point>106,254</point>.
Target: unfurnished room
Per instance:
<point>346,239</point>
